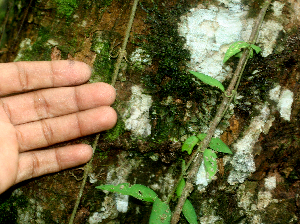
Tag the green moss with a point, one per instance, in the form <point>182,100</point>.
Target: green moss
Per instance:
<point>9,205</point>
<point>103,65</point>
<point>65,8</point>
<point>168,76</point>
<point>283,212</point>
<point>104,3</point>
<point>114,133</point>
<point>39,51</point>
<point>168,121</point>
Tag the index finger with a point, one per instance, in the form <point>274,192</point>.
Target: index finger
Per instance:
<point>25,76</point>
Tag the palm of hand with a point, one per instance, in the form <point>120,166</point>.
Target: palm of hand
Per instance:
<point>37,119</point>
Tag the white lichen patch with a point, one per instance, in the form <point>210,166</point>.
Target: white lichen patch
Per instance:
<point>119,175</point>
<point>274,93</point>
<point>115,203</point>
<point>245,198</point>
<point>264,198</point>
<point>256,219</point>
<point>209,213</point>
<point>285,104</point>
<point>201,178</point>
<point>284,99</point>
<point>243,161</point>
<point>52,42</point>
<point>108,210</point>
<point>137,116</point>
<point>139,59</point>
<point>209,31</point>
<point>277,8</point>
<point>33,209</point>
<point>268,35</point>
<point>24,45</point>
<point>83,23</point>
<point>164,185</point>
<point>270,183</point>
<point>92,178</point>
<point>122,202</point>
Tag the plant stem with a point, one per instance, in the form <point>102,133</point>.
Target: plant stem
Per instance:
<point>196,157</point>
<point>9,7</point>
<point>122,51</point>
<point>87,170</point>
<point>88,166</point>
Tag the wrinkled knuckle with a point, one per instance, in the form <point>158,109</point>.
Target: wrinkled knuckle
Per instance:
<point>52,74</point>
<point>79,127</point>
<point>47,132</point>
<point>58,160</point>
<point>41,105</point>
<point>35,165</point>
<point>21,141</point>
<point>6,109</point>
<point>23,77</point>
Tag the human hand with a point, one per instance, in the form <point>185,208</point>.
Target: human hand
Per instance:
<point>40,118</point>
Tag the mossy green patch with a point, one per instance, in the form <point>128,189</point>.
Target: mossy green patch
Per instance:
<point>39,51</point>
<point>103,65</point>
<point>284,212</point>
<point>65,8</point>
<point>9,206</point>
<point>168,75</point>
<point>115,132</point>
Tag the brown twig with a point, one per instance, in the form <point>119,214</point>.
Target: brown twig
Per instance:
<point>122,51</point>
<point>197,156</point>
<point>25,14</point>
<point>9,7</point>
<point>87,168</point>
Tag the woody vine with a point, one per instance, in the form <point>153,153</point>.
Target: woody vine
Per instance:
<point>206,144</point>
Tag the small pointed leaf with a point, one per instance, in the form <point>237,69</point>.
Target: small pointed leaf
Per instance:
<point>189,212</point>
<point>189,144</point>
<point>208,80</point>
<point>239,55</point>
<point>180,187</point>
<point>256,48</point>
<point>161,213</point>
<point>138,191</point>
<point>210,162</point>
<point>218,145</point>
<point>234,49</point>
<point>201,136</point>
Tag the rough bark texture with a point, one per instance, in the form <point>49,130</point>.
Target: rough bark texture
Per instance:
<point>92,31</point>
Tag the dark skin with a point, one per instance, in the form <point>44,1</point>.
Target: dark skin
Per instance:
<point>44,103</point>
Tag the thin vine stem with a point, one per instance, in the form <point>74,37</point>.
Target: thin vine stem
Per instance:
<point>196,157</point>
<point>87,170</point>
<point>122,52</point>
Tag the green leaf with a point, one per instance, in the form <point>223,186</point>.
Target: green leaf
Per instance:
<point>160,213</point>
<point>189,144</point>
<point>218,145</point>
<point>138,191</point>
<point>208,80</point>
<point>210,162</point>
<point>189,212</point>
<point>239,55</point>
<point>256,48</point>
<point>234,49</point>
<point>180,187</point>
<point>201,136</point>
